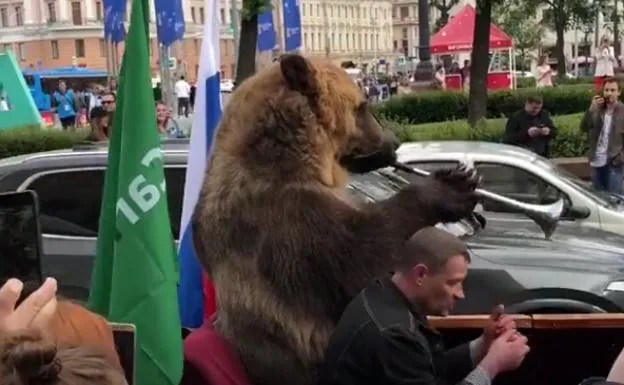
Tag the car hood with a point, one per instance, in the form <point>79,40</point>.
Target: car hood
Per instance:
<point>582,250</point>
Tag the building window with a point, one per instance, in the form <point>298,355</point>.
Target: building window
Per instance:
<point>404,30</point>
<point>80,47</point>
<point>4,17</point>
<point>404,13</point>
<point>21,51</point>
<point>55,49</point>
<point>222,15</point>
<point>51,12</point>
<point>102,48</point>
<point>19,18</point>
<point>98,10</point>
<point>201,15</point>
<point>76,9</point>
<point>193,15</point>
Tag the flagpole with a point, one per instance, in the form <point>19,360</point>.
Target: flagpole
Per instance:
<point>235,32</point>
<point>280,27</point>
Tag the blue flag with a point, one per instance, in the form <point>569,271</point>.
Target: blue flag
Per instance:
<point>266,31</point>
<point>114,16</point>
<point>292,24</point>
<point>169,21</point>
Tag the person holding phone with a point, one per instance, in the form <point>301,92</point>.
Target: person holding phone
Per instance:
<point>531,127</point>
<point>604,124</point>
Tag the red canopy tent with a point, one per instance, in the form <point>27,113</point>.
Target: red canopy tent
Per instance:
<point>457,35</point>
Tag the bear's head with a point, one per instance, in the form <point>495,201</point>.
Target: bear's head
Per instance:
<point>300,117</point>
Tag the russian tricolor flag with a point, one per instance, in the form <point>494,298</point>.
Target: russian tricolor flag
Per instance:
<point>196,296</point>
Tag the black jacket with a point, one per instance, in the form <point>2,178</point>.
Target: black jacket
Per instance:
<point>517,131</point>
<point>382,339</point>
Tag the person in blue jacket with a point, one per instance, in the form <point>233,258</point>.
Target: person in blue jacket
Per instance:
<point>65,105</point>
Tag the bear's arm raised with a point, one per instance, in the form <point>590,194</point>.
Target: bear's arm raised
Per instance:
<point>320,248</point>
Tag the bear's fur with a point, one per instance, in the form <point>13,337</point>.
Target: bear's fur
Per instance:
<point>282,243</point>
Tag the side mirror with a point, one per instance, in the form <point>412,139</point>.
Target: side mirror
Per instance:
<point>577,212</point>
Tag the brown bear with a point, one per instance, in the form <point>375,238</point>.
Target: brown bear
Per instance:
<point>284,246</point>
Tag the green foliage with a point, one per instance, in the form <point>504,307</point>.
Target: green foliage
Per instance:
<point>254,7</point>
<point>26,140</point>
<point>520,22</point>
<point>530,82</point>
<point>444,7</point>
<point>439,106</point>
<point>570,142</point>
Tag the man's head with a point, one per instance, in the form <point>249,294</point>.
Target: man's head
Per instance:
<point>611,91</point>
<point>62,86</point>
<point>433,266</point>
<point>533,104</point>
<point>108,101</point>
<point>182,77</point>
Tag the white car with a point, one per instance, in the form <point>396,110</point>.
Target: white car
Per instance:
<point>524,176</point>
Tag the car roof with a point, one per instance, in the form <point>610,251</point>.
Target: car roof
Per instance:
<point>433,148</point>
<point>169,146</point>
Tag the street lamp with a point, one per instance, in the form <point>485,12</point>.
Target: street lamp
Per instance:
<point>424,69</point>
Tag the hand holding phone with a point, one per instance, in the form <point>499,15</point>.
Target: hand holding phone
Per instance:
<point>545,130</point>
<point>597,102</point>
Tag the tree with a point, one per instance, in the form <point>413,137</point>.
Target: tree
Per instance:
<point>248,38</point>
<point>613,14</point>
<point>477,100</point>
<point>520,22</point>
<point>444,7</point>
<point>560,16</point>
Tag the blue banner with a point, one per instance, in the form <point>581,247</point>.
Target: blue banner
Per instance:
<point>292,24</point>
<point>266,31</point>
<point>169,21</point>
<point>114,16</point>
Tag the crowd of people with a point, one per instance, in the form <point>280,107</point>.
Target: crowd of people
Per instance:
<point>531,127</point>
<point>98,105</point>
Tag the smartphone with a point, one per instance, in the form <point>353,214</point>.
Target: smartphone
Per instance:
<point>125,343</point>
<point>20,238</point>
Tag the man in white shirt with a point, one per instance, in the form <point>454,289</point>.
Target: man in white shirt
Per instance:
<point>183,93</point>
<point>604,124</point>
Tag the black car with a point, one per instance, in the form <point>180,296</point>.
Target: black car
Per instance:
<point>510,264</point>
<point>514,263</point>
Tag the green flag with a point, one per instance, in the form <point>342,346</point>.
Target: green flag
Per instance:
<point>135,273</point>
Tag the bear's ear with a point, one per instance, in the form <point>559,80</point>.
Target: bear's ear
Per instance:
<point>298,73</point>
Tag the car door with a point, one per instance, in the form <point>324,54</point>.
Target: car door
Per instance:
<point>69,202</point>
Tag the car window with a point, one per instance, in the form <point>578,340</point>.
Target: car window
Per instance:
<point>429,166</point>
<point>371,186</point>
<point>69,201</point>
<point>515,183</point>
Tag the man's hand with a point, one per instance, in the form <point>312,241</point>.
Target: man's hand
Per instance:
<point>498,324</point>
<point>534,131</point>
<point>545,131</point>
<point>506,353</point>
<point>35,311</point>
<point>596,103</point>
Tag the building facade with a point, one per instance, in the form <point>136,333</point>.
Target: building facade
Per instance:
<point>53,33</point>
<point>405,27</point>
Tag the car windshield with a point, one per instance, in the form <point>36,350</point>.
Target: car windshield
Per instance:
<point>377,186</point>
<point>600,197</point>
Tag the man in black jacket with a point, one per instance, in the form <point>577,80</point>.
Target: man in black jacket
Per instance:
<point>383,337</point>
<point>531,127</point>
